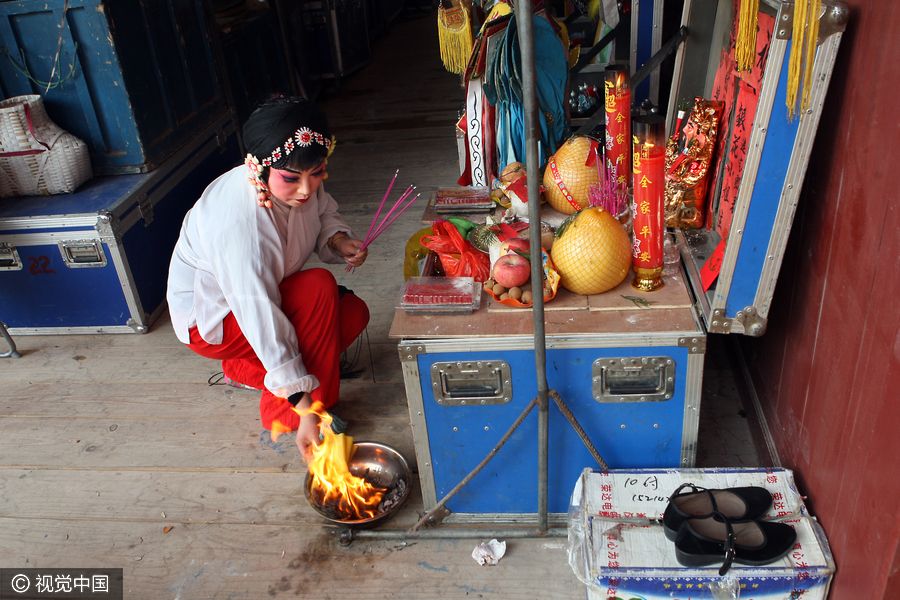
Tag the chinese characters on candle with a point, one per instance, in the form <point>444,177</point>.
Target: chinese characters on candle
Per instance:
<point>618,123</point>
<point>648,208</point>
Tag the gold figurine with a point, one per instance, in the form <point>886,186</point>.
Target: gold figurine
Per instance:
<point>688,160</point>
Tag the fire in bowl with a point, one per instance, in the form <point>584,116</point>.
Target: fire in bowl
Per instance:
<point>379,465</point>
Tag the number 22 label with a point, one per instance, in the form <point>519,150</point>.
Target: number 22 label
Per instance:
<point>40,265</point>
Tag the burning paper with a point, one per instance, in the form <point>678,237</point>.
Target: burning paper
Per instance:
<point>334,488</point>
<point>489,553</point>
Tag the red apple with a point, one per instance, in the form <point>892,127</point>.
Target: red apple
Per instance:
<point>511,270</point>
<point>515,243</point>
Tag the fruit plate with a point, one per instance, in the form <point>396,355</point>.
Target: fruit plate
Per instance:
<point>551,276</point>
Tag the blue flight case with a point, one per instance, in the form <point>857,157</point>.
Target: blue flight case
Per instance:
<point>96,261</point>
<point>630,374</point>
<point>764,160</point>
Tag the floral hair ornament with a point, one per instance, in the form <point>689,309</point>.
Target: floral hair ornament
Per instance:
<point>262,192</point>
<point>302,138</point>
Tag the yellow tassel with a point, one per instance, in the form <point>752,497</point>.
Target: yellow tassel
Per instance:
<point>804,40</point>
<point>455,36</point>
<point>594,10</point>
<point>796,57</point>
<point>745,45</point>
<point>812,41</point>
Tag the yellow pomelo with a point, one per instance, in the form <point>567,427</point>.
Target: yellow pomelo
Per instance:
<point>592,252</point>
<point>574,175</point>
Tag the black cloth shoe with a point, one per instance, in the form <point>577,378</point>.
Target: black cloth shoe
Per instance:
<point>714,538</point>
<point>738,504</point>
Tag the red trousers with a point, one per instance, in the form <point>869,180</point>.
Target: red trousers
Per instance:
<point>326,324</point>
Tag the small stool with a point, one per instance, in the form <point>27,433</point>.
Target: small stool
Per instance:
<point>12,345</point>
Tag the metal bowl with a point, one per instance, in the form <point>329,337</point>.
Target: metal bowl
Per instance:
<point>378,464</point>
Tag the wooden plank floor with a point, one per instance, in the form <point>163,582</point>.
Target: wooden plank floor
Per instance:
<point>107,441</point>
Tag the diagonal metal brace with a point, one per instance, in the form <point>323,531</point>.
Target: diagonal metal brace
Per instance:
<point>584,438</point>
<point>430,515</point>
<point>640,75</point>
<point>585,60</point>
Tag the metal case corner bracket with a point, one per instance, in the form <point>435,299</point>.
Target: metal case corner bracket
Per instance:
<point>754,325</point>
<point>107,225</point>
<point>695,344</point>
<point>409,352</point>
<point>719,323</point>
<point>784,26</point>
<point>834,18</point>
<point>137,327</point>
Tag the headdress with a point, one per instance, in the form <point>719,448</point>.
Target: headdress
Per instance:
<point>303,123</point>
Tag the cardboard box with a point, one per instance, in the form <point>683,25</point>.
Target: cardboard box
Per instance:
<point>618,549</point>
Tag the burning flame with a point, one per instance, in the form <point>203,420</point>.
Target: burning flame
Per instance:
<point>334,488</point>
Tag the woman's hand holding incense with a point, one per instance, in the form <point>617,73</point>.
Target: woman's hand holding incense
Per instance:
<point>308,432</point>
<point>352,251</point>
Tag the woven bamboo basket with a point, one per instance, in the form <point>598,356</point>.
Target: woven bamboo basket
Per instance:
<point>36,155</point>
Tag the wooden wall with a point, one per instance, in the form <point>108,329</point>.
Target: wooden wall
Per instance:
<point>827,372</point>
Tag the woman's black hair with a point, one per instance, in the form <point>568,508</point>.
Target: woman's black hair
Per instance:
<point>275,121</point>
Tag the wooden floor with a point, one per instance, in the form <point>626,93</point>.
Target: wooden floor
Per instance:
<point>115,451</point>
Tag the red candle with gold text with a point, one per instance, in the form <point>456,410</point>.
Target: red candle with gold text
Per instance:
<point>618,122</point>
<point>649,210</point>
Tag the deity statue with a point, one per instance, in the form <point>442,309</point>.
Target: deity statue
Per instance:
<point>688,160</point>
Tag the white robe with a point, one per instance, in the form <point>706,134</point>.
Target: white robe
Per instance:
<point>230,258</point>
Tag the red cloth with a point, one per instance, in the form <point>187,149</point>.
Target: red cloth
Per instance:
<point>326,325</point>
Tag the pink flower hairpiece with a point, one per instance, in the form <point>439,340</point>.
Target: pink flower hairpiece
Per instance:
<point>302,138</point>
<point>255,178</point>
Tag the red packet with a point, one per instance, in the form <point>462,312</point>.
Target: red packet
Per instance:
<point>520,188</point>
<point>710,269</point>
<point>503,231</point>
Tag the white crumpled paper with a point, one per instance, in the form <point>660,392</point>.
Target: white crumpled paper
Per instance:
<point>489,553</point>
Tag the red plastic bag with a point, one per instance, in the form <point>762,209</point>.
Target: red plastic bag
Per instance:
<point>459,257</point>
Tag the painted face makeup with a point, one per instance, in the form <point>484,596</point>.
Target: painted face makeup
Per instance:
<point>294,188</point>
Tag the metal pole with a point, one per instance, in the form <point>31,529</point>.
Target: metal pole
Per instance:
<point>445,532</point>
<point>525,23</point>
<point>12,352</point>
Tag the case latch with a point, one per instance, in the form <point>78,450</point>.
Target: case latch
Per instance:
<point>479,382</point>
<point>9,258</point>
<point>81,254</point>
<point>633,379</point>
<point>221,140</point>
<point>145,205</point>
